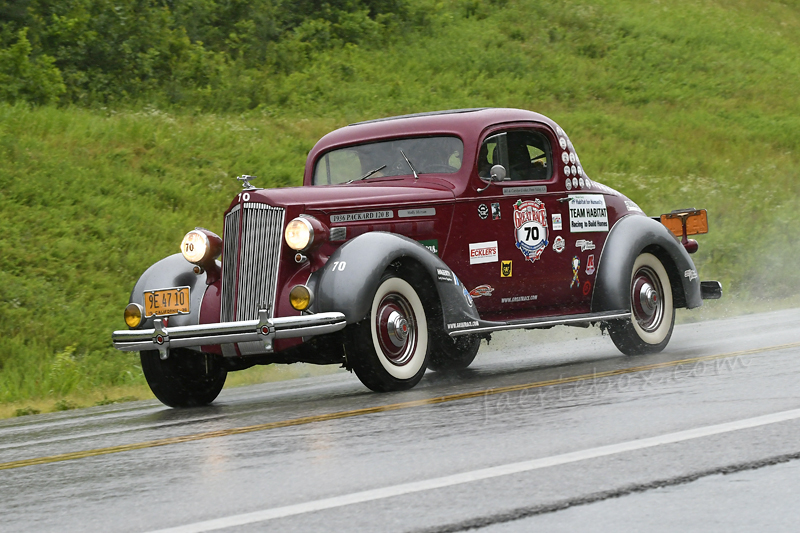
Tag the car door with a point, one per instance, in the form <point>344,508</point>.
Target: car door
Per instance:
<point>523,256</point>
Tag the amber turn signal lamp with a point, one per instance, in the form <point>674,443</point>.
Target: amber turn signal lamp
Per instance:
<point>300,297</point>
<point>133,315</point>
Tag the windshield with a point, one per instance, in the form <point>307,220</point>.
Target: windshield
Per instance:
<point>427,155</point>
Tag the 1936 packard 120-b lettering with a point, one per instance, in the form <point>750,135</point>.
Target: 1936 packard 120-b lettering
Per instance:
<point>411,239</point>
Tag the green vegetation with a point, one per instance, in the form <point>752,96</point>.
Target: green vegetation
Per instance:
<point>111,149</point>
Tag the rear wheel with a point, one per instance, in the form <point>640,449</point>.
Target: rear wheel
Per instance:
<point>451,354</point>
<point>185,379</point>
<point>388,350</point>
<point>652,310</point>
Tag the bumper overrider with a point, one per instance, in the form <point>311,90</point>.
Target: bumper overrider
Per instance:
<point>263,329</point>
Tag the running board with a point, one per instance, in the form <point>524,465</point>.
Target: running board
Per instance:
<point>486,326</point>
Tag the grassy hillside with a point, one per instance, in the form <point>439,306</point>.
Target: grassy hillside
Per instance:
<point>676,103</point>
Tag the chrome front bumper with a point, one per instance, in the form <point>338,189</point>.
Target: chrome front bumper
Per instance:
<point>264,329</point>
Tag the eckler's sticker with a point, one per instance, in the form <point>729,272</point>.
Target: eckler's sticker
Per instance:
<point>556,221</point>
<point>496,211</point>
<point>530,228</point>
<point>442,274</point>
<point>590,265</point>
<point>576,268</point>
<point>559,244</point>
<point>483,211</point>
<point>366,215</point>
<point>587,212</point>
<point>481,290</point>
<point>505,269</point>
<point>483,252</point>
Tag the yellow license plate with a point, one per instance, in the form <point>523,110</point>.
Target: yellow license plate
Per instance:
<point>163,302</point>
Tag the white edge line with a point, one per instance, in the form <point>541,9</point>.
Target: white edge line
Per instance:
<point>477,475</point>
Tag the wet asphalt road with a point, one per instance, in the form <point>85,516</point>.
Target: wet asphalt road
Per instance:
<point>551,431</point>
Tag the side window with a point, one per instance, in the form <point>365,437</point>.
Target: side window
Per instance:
<point>492,152</point>
<point>529,156</point>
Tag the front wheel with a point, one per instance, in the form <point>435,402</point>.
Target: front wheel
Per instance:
<point>185,379</point>
<point>652,310</point>
<point>388,349</point>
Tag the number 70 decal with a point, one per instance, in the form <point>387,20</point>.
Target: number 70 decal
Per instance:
<point>338,265</point>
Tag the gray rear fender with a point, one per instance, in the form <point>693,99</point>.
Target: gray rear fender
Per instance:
<point>172,271</point>
<point>348,281</point>
<point>630,237</point>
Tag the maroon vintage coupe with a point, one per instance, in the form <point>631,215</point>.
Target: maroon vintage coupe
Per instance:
<point>411,239</point>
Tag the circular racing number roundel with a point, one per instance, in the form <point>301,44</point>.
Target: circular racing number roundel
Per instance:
<point>530,228</point>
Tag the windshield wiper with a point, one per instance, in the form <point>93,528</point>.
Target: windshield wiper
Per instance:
<point>409,164</point>
<point>370,173</point>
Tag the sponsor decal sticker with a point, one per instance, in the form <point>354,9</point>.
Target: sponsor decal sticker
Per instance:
<point>460,325</point>
<point>580,172</point>
<point>632,206</point>
<point>576,268</point>
<point>575,183</point>
<point>530,228</point>
<point>565,157</point>
<point>590,265</point>
<point>483,211</point>
<point>467,297</point>
<point>581,183</point>
<point>496,211</point>
<point>505,269</point>
<point>483,252</point>
<point>425,212</point>
<point>432,245</point>
<point>556,221</point>
<point>567,170</point>
<point>587,288</point>
<point>516,191</point>
<point>481,290</point>
<point>562,142</point>
<point>366,215</point>
<point>587,212</point>
<point>442,274</point>
<point>584,245</point>
<point>691,274</point>
<point>515,299</point>
<point>559,244</point>
<point>569,184</point>
<point>572,158</point>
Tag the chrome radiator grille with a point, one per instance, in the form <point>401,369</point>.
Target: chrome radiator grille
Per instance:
<point>252,243</point>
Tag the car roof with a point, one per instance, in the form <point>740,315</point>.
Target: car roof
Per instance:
<point>465,123</point>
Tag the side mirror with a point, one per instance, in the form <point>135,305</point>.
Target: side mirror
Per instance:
<point>496,174</point>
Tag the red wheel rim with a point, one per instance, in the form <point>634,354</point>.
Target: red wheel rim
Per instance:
<point>647,299</point>
<point>396,326</point>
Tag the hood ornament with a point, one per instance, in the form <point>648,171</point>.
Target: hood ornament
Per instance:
<point>246,184</point>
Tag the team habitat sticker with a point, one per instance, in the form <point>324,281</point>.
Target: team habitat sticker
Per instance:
<point>366,215</point>
<point>587,212</point>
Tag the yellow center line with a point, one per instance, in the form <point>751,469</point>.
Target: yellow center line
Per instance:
<point>377,409</point>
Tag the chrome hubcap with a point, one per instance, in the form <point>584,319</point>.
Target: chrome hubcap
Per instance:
<point>395,325</point>
<point>647,299</point>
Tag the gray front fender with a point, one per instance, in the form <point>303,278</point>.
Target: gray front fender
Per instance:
<point>628,238</point>
<point>172,271</point>
<point>350,278</point>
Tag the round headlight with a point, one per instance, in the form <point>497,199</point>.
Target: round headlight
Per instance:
<point>133,315</point>
<point>300,297</point>
<point>299,234</point>
<point>195,246</point>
